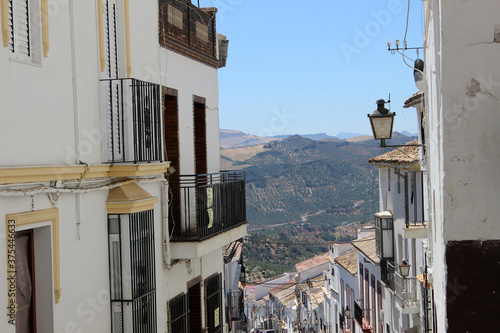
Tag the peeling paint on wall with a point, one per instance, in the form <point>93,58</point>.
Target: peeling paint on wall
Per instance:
<point>474,88</point>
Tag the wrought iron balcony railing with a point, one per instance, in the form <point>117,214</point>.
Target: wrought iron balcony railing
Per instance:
<point>387,270</point>
<point>205,205</point>
<point>133,120</point>
<point>406,291</point>
<point>236,304</point>
<point>358,314</point>
<point>344,323</point>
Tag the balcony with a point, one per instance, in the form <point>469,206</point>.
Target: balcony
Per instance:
<point>204,207</point>
<point>189,30</point>
<point>359,317</point>
<point>133,121</point>
<point>236,304</point>
<point>406,294</point>
<point>416,223</point>
<point>387,270</point>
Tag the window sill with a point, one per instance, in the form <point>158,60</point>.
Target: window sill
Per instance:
<point>26,62</point>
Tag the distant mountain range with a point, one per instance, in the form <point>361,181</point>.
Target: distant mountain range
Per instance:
<point>238,139</point>
<point>318,136</point>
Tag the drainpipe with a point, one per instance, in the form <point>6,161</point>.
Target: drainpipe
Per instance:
<point>167,260</point>
<point>75,109</point>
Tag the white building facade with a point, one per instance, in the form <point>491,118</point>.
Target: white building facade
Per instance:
<point>401,232</point>
<point>461,121</point>
<point>106,107</point>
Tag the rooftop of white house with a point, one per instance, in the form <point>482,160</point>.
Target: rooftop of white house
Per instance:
<point>366,246</point>
<point>349,261</point>
<point>313,262</point>
<point>406,155</point>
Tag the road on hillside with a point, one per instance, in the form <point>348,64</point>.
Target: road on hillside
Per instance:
<point>303,219</point>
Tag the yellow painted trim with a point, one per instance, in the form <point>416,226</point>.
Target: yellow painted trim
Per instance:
<point>100,18</point>
<point>130,207</point>
<point>50,173</point>
<point>45,27</point>
<point>25,174</point>
<point>127,37</point>
<point>5,22</point>
<point>26,218</point>
<point>134,170</point>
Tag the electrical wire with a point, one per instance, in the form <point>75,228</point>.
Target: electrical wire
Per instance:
<point>52,189</point>
<point>304,244</point>
<point>404,43</point>
<point>280,243</point>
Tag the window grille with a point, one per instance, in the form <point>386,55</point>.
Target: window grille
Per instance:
<point>132,272</point>
<point>213,295</point>
<point>175,17</point>
<point>202,31</point>
<point>179,314</point>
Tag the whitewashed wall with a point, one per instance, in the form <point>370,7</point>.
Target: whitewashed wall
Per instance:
<point>462,95</point>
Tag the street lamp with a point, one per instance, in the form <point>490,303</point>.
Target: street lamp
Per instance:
<point>347,316</point>
<point>347,312</point>
<point>404,268</point>
<point>382,121</point>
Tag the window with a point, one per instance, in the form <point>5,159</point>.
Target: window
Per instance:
<point>366,309</point>
<point>361,289</point>
<point>374,309</point>
<point>202,31</point>
<point>175,17</point>
<point>389,179</point>
<point>200,135</point>
<point>384,231</point>
<point>179,314</point>
<point>24,26</point>
<point>132,270</point>
<point>342,299</point>
<point>379,298</point>
<point>213,297</point>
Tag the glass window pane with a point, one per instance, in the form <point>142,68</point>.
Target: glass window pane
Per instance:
<point>114,225</point>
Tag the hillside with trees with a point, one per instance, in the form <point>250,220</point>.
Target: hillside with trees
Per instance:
<point>305,192</point>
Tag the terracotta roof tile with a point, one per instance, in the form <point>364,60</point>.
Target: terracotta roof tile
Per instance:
<point>366,246</point>
<point>349,261</point>
<point>405,155</point>
<point>313,262</point>
<point>283,289</point>
<point>416,98</point>
<point>317,297</point>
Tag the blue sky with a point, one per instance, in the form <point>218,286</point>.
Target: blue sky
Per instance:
<point>302,67</point>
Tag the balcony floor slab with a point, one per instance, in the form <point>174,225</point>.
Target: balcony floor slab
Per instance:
<point>196,249</point>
